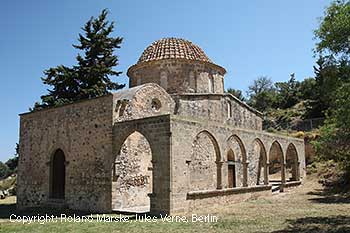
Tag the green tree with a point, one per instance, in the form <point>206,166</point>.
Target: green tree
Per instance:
<point>237,93</point>
<point>330,74</point>
<point>307,89</point>
<point>333,83</point>
<point>333,32</point>
<point>91,76</point>
<point>261,84</point>
<point>287,93</point>
<point>334,141</point>
<point>263,101</point>
<point>12,163</point>
<point>4,170</point>
<point>262,93</point>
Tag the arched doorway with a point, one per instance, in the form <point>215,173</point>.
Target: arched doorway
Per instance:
<point>276,164</point>
<point>292,173</point>
<point>204,166</point>
<point>241,165</point>
<point>132,175</point>
<point>57,175</point>
<point>231,170</point>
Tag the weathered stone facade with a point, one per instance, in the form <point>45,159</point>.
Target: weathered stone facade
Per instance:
<point>172,143</point>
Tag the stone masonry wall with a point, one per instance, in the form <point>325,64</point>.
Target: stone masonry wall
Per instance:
<point>83,131</point>
<point>241,141</point>
<point>157,132</point>
<point>132,176</point>
<point>142,101</point>
<point>179,76</point>
<point>202,166</point>
<point>215,108</point>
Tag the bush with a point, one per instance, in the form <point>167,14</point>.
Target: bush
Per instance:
<point>4,170</point>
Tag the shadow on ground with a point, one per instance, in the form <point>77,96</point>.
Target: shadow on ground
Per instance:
<point>328,197</point>
<point>332,224</point>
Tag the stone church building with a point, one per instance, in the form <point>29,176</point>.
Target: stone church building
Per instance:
<point>174,142</point>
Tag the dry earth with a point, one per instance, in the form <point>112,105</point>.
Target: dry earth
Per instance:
<point>303,209</point>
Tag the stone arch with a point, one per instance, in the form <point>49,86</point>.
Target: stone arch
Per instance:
<point>123,134</point>
<point>132,174</point>
<point>205,163</point>
<point>292,163</point>
<point>276,163</point>
<point>259,153</point>
<point>236,144</point>
<point>57,175</point>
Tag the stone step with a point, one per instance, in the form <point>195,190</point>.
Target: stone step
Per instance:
<point>276,188</point>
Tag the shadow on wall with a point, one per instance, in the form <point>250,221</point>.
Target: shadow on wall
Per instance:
<point>333,224</point>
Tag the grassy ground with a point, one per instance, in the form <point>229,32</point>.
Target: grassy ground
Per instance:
<point>303,209</point>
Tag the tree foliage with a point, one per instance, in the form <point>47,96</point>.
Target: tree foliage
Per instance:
<point>4,170</point>
<point>261,93</point>
<point>259,85</point>
<point>334,141</point>
<point>91,76</point>
<point>237,93</point>
<point>288,93</point>
<point>333,83</point>
<point>12,163</point>
<point>333,32</point>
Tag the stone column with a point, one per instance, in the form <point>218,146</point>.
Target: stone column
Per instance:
<point>219,174</point>
<point>266,173</point>
<point>245,174</point>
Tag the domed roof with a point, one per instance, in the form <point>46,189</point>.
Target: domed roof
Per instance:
<point>173,48</point>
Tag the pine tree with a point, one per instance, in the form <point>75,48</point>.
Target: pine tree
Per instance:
<point>91,76</point>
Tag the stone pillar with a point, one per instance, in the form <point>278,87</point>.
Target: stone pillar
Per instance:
<point>266,173</point>
<point>245,174</point>
<point>283,172</point>
<point>283,176</point>
<point>219,174</point>
<point>297,172</point>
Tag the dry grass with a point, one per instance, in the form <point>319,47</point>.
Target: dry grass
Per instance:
<point>302,209</point>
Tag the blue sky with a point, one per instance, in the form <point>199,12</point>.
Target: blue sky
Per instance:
<point>248,38</point>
